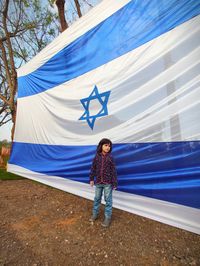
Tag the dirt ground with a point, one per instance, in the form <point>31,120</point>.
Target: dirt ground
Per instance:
<point>40,225</point>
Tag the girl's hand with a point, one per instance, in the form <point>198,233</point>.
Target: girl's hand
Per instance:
<point>91,183</point>
<point>114,188</point>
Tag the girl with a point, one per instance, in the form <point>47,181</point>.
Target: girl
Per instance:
<point>103,168</point>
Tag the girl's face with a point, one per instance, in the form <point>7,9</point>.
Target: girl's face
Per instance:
<point>105,148</point>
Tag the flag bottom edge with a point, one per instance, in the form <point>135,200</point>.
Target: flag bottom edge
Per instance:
<point>176,215</point>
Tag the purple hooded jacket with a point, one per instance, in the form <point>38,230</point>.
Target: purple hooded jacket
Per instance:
<point>103,168</point>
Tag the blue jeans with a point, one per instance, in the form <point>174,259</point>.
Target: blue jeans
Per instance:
<point>107,197</point>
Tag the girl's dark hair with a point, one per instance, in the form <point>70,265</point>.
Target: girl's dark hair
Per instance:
<point>102,142</point>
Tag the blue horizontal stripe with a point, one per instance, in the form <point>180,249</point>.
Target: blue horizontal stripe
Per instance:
<point>130,27</point>
<point>167,171</point>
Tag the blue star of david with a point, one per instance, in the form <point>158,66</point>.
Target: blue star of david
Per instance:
<point>103,100</point>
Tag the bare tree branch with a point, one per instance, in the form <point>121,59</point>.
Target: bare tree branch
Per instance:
<point>88,3</point>
<point>4,99</point>
<point>2,122</point>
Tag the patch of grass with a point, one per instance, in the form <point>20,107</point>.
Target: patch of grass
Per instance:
<point>4,175</point>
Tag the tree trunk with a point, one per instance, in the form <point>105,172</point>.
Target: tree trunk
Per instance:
<point>11,74</point>
<point>61,13</point>
<point>78,8</point>
<point>13,126</point>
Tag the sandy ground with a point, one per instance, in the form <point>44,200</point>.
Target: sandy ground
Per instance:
<point>40,225</point>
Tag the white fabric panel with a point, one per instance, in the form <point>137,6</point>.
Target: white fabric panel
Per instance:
<point>161,94</point>
<point>96,15</point>
<point>173,214</point>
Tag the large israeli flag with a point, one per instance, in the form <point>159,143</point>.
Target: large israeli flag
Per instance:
<point>128,71</point>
